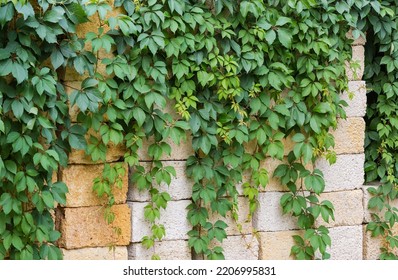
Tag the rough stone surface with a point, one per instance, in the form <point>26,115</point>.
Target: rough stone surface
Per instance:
<point>349,136</point>
<point>114,153</point>
<point>358,57</point>
<point>97,253</point>
<point>277,245</point>
<point>346,243</point>
<point>240,247</point>
<point>166,250</point>
<point>274,184</point>
<point>173,218</point>
<point>178,152</point>
<point>79,179</point>
<point>243,221</point>
<point>86,227</point>
<point>179,189</point>
<point>346,174</point>
<point>348,208</point>
<point>371,245</point>
<point>356,99</point>
<point>269,215</point>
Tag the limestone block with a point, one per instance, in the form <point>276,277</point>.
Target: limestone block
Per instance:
<point>349,136</point>
<point>180,187</point>
<point>173,218</point>
<point>346,174</point>
<point>348,208</point>
<point>274,184</point>
<point>358,57</point>
<point>243,219</point>
<point>357,102</point>
<point>86,227</point>
<point>97,253</point>
<point>371,245</point>
<point>269,215</point>
<point>166,250</point>
<point>346,243</point>
<point>178,152</point>
<point>240,247</point>
<point>277,245</point>
<point>79,179</point>
<point>114,153</point>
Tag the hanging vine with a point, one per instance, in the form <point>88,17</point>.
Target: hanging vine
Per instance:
<point>379,20</point>
<point>243,77</point>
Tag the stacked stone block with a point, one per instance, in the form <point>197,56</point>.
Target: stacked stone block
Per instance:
<point>174,245</point>
<point>344,181</point>
<point>85,233</point>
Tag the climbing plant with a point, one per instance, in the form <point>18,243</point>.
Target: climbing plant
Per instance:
<point>379,20</point>
<point>240,78</point>
<point>243,77</point>
<point>36,41</point>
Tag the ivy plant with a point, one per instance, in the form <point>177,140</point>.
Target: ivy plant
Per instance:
<point>379,20</point>
<point>37,41</point>
<point>242,79</point>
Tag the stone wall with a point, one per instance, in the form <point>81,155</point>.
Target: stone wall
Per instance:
<point>85,234</point>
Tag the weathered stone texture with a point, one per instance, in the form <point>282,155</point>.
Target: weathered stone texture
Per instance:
<point>166,250</point>
<point>179,189</point>
<point>371,245</point>
<point>277,245</point>
<point>174,220</point>
<point>97,253</point>
<point>274,184</point>
<point>269,215</point>
<point>79,179</point>
<point>349,136</point>
<point>346,243</point>
<point>346,174</point>
<point>86,227</point>
<point>241,247</point>
<point>348,208</point>
<point>243,222</point>
<point>356,99</point>
<point>358,57</point>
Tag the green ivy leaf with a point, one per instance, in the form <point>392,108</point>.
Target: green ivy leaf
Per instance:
<point>6,13</point>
